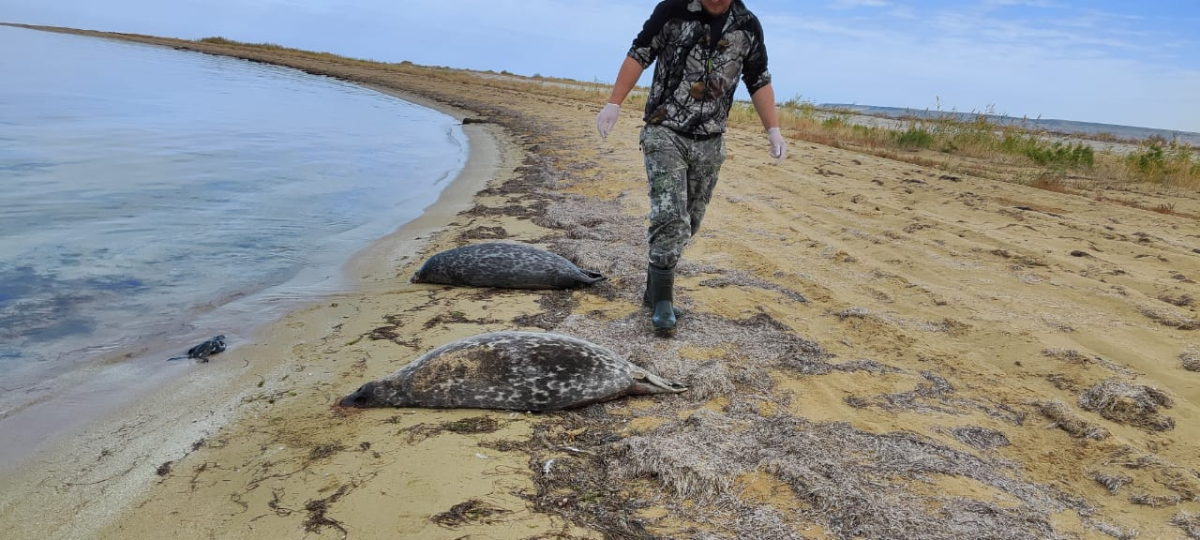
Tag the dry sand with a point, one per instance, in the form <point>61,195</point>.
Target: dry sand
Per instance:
<point>875,349</point>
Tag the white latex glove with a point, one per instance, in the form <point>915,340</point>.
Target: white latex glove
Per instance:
<point>778,147</point>
<point>607,119</point>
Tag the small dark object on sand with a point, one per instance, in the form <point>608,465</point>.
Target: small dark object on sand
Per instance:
<point>202,351</point>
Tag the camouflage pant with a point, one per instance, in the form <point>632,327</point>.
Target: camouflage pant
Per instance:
<point>682,174</point>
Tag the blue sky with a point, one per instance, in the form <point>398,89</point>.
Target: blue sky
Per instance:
<point>1121,62</point>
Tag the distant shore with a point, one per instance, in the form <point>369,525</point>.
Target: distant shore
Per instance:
<point>875,349</point>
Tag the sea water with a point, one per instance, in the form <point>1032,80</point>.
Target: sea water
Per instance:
<point>145,192</point>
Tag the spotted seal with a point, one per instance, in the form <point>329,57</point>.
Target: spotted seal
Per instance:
<point>504,265</point>
<point>525,371</point>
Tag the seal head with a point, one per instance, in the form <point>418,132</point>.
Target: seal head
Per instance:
<point>363,397</point>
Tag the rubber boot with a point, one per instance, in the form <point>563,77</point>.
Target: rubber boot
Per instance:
<point>646,297</point>
<point>662,294</point>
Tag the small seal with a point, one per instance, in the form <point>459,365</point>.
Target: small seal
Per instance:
<point>504,265</point>
<point>524,371</point>
<point>201,352</point>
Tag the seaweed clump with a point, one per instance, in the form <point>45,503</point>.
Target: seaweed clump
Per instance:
<point>1127,403</point>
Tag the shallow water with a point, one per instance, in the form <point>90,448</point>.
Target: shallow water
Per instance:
<point>152,198</point>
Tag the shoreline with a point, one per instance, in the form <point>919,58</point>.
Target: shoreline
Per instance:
<point>874,349</point>
<point>178,410</point>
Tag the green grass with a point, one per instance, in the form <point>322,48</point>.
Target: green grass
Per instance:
<point>1160,161</point>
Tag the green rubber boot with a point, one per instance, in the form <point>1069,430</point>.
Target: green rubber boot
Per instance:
<point>662,291</point>
<point>646,302</point>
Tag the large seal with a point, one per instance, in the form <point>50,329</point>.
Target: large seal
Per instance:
<point>523,371</point>
<point>504,265</point>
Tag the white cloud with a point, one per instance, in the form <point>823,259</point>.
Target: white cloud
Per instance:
<point>853,4</point>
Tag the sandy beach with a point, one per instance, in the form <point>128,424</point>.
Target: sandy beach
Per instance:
<point>875,349</point>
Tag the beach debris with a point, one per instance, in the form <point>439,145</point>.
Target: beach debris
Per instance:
<point>981,437</point>
<point>1155,501</point>
<point>317,509</point>
<point>1170,318</point>
<point>1191,359</point>
<point>472,511</point>
<point>1067,421</point>
<point>853,483</point>
<point>504,265</point>
<point>1183,301</point>
<point>324,450</point>
<point>467,426</point>
<point>738,278</point>
<point>1072,356</point>
<point>1189,522</point>
<point>201,352</point>
<point>1111,482</point>
<point>1114,531</point>
<point>1126,403</point>
<point>524,371</point>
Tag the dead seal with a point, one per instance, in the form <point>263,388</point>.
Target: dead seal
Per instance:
<point>524,371</point>
<point>201,352</point>
<point>504,265</point>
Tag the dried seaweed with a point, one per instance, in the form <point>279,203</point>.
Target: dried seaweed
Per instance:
<point>1111,482</point>
<point>457,317</point>
<point>1185,300</point>
<point>1071,356</point>
<point>753,346</point>
<point>1155,501</point>
<point>317,513</point>
<point>483,233</point>
<point>935,395</point>
<point>571,460</point>
<point>556,305</point>
<point>738,278</point>
<point>322,451</point>
<point>1190,359</point>
<point>980,437</point>
<point>1170,318</point>
<point>1112,530</point>
<point>469,512</point>
<point>1126,403</point>
<point>466,426</point>
<point>1190,523</point>
<point>855,484</point>
<point>1067,421</point>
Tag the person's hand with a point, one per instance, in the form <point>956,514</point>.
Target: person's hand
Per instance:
<point>778,147</point>
<point>607,119</point>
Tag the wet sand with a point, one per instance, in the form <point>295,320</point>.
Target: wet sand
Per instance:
<point>875,350</point>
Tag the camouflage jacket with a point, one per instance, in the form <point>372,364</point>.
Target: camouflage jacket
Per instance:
<point>700,57</point>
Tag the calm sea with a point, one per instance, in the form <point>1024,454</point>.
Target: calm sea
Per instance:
<point>152,198</point>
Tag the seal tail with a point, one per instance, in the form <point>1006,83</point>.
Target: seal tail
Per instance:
<point>649,383</point>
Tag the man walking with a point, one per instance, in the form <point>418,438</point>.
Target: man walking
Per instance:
<point>702,48</point>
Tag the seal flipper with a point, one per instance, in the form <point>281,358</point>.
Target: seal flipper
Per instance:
<point>589,278</point>
<point>649,383</point>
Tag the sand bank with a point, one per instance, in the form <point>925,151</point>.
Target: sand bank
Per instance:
<point>875,350</point>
